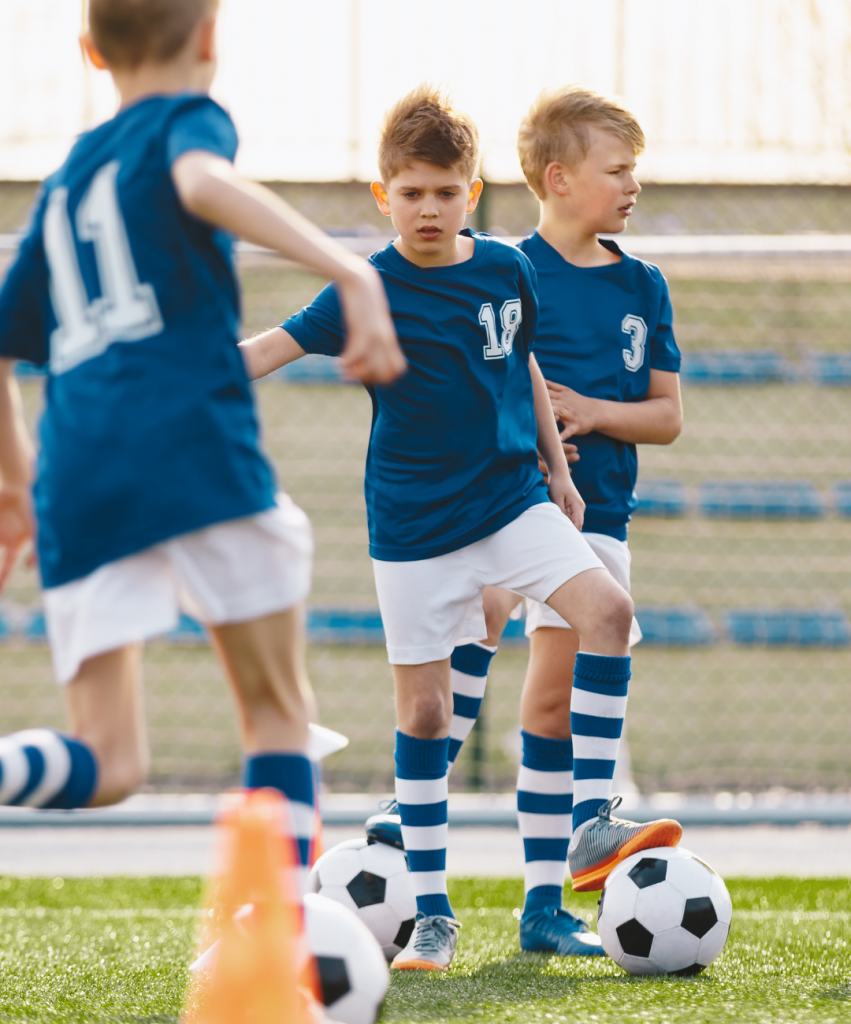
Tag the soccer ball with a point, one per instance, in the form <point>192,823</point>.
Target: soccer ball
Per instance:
<point>372,880</point>
<point>664,911</point>
<point>353,975</point>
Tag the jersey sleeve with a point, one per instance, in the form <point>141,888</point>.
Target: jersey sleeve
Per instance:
<point>664,351</point>
<point>201,125</point>
<point>24,302</point>
<point>529,297</point>
<point>319,327</point>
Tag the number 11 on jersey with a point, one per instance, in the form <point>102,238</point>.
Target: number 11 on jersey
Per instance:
<point>126,310</point>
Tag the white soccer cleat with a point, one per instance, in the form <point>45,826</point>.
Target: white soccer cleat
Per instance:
<point>431,945</point>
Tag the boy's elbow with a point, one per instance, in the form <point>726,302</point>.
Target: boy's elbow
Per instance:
<point>674,428</point>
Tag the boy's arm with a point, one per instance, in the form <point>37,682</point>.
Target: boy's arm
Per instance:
<point>656,419</point>
<point>560,485</point>
<point>269,351</point>
<point>209,188</point>
<point>16,457</point>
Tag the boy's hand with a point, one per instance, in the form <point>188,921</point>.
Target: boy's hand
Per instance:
<point>16,528</point>
<point>576,412</point>
<point>564,494</point>
<point>372,353</point>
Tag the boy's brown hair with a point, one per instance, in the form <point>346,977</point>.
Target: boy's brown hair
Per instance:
<point>556,130</point>
<point>425,126</point>
<point>128,33</point>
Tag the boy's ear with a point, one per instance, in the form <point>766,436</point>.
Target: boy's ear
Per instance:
<point>555,178</point>
<point>380,193</point>
<point>87,45</point>
<point>207,40</point>
<point>476,187</point>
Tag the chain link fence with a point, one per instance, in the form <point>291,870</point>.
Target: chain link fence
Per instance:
<point>743,684</point>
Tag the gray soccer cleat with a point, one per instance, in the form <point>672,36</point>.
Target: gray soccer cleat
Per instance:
<point>431,945</point>
<point>601,843</point>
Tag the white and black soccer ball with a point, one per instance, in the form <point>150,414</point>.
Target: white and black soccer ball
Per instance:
<point>353,974</point>
<point>664,911</point>
<point>371,879</point>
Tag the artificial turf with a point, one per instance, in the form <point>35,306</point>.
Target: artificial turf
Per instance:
<point>116,950</point>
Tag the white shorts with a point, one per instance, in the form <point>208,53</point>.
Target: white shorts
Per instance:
<point>430,606</point>
<point>231,572</point>
<point>615,556</point>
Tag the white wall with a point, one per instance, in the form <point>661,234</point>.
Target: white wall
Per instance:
<point>726,90</point>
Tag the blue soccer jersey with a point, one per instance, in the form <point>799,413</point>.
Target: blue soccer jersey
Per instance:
<point>601,330</point>
<point>452,451</point>
<point>149,428</point>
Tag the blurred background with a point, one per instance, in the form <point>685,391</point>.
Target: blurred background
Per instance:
<point>742,543</point>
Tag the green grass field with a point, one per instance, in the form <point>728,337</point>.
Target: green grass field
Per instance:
<point>109,950</point>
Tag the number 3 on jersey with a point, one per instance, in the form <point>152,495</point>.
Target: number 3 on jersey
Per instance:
<point>126,309</point>
<point>636,328</point>
<point>510,316</point>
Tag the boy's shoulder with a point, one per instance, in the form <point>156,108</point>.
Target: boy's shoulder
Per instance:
<point>643,273</point>
<point>489,252</point>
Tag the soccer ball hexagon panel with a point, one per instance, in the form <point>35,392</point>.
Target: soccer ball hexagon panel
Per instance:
<point>372,880</point>
<point>664,911</point>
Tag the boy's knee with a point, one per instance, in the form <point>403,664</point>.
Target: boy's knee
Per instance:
<point>429,717</point>
<point>120,773</point>
<point>621,612</point>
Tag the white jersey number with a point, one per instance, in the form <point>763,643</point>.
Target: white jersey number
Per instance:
<point>636,328</point>
<point>510,317</point>
<point>127,310</point>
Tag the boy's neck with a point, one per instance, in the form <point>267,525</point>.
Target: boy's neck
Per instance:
<point>573,241</point>
<point>158,80</point>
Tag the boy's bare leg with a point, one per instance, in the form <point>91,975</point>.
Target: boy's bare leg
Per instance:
<point>599,609</point>
<point>264,661</point>
<point>104,703</point>
<point>423,699</point>
<point>498,605</point>
<point>545,700</point>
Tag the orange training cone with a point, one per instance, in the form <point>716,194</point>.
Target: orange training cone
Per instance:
<point>261,965</point>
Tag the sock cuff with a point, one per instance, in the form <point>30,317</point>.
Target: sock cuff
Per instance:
<point>472,659</point>
<point>546,755</point>
<point>602,668</point>
<point>543,896</point>
<point>292,774</point>
<point>428,759</point>
<point>82,777</point>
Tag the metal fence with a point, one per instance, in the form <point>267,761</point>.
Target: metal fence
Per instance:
<point>745,591</point>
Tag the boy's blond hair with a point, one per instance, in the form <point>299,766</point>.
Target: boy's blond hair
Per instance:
<point>556,130</point>
<point>425,126</point>
<point>128,33</point>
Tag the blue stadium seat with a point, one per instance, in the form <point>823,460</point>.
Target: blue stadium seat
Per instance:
<point>33,626</point>
<point>757,366</point>
<point>760,499</point>
<point>666,498</point>
<point>7,626</point>
<point>25,370</point>
<point>311,369</point>
<point>344,626</point>
<point>187,631</point>
<point>830,369</point>
<point>796,627</point>
<point>675,626</point>
<point>842,497</point>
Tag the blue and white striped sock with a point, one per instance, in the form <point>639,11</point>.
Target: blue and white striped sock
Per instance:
<point>597,710</point>
<point>422,790</point>
<point>43,768</point>
<point>544,806</point>
<point>469,674</point>
<point>293,775</point>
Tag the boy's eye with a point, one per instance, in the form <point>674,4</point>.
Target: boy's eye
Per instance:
<point>448,194</point>
<point>411,195</point>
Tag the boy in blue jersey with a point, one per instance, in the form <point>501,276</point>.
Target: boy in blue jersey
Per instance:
<point>151,491</point>
<point>455,498</point>
<point>606,347</point>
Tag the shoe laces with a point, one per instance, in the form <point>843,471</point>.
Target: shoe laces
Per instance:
<point>433,933</point>
<point>390,806</point>
<point>605,811</point>
<point>550,918</point>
